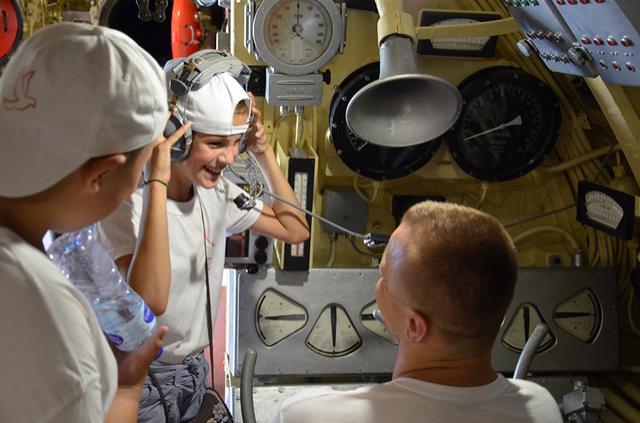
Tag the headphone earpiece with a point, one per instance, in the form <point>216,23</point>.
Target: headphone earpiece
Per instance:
<point>179,150</point>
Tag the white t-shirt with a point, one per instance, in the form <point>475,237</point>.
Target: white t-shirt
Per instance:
<point>186,307</point>
<point>56,363</point>
<point>412,400</point>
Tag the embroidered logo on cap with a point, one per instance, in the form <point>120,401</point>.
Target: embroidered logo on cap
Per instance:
<point>22,101</point>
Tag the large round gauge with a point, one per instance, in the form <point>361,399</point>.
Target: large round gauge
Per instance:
<point>509,123</point>
<point>367,159</point>
<point>297,36</point>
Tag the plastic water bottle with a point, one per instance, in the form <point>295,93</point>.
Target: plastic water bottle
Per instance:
<point>122,313</point>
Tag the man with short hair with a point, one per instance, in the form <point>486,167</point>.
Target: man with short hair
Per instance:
<point>447,278</point>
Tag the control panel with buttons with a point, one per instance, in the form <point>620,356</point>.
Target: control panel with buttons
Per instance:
<point>550,37</point>
<point>583,37</point>
<point>608,30</point>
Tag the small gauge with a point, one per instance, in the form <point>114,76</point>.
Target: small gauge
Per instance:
<point>510,121</point>
<point>362,157</point>
<point>459,46</point>
<point>297,36</point>
<point>579,315</point>
<point>333,334</point>
<point>278,317</point>
<point>603,209</point>
<point>524,321</point>
<point>369,322</point>
<point>606,209</point>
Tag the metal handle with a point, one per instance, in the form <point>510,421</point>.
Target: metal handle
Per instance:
<point>246,387</point>
<point>529,351</point>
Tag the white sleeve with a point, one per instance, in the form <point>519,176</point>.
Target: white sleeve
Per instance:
<point>238,220</point>
<point>118,232</point>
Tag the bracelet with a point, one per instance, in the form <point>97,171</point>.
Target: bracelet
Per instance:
<point>160,181</point>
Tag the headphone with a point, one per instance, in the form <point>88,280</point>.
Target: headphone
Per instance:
<point>190,75</point>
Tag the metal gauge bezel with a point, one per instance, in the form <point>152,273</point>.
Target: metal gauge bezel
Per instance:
<point>269,58</point>
<point>482,82</point>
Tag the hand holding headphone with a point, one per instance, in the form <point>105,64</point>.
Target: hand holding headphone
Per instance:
<point>191,74</point>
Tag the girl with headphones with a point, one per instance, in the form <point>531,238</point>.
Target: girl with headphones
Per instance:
<point>169,237</point>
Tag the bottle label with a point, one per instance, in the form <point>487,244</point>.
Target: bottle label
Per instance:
<point>129,335</point>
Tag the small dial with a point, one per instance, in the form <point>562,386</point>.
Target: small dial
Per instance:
<point>278,317</point>
<point>298,32</point>
<point>333,334</point>
<point>603,209</point>
<point>459,44</point>
<point>521,326</point>
<point>579,315</point>
<point>369,322</point>
<point>509,123</point>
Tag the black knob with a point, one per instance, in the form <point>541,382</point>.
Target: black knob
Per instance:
<point>261,242</point>
<point>260,257</point>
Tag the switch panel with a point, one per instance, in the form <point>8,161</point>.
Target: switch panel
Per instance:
<point>608,30</point>
<point>551,37</point>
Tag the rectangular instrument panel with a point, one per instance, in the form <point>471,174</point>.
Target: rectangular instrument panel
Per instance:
<point>584,37</point>
<point>550,35</point>
<point>606,28</point>
<point>320,322</point>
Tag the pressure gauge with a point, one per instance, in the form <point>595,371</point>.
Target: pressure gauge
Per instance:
<point>521,326</point>
<point>606,209</point>
<point>297,37</point>
<point>278,317</point>
<point>579,315</point>
<point>510,121</point>
<point>333,334</point>
<point>369,322</point>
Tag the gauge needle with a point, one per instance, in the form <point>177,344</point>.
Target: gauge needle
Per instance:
<point>297,28</point>
<point>516,121</point>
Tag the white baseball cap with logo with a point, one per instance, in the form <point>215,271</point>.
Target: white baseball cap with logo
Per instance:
<point>70,93</point>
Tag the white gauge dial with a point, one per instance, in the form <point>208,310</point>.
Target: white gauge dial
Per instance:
<point>521,326</point>
<point>333,334</point>
<point>278,317</point>
<point>369,322</point>
<point>579,315</point>
<point>603,209</point>
<point>459,44</point>
<point>298,32</point>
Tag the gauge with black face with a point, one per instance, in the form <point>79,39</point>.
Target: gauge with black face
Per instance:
<point>510,121</point>
<point>367,159</point>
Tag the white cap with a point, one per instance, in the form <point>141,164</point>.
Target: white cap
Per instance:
<point>70,93</point>
<point>211,108</point>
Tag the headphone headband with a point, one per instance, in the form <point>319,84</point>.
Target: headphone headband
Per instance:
<point>200,67</point>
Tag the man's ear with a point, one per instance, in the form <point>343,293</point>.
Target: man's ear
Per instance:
<point>418,326</point>
<point>94,170</point>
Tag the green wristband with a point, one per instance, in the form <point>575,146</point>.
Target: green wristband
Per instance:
<point>160,181</point>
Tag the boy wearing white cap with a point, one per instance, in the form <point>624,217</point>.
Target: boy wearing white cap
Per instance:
<point>180,234</point>
<point>80,108</point>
